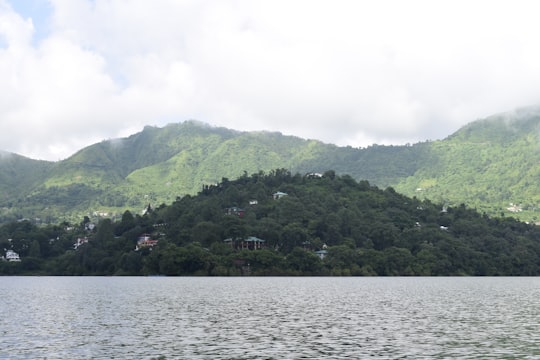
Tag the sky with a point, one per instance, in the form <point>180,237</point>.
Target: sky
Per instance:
<point>76,72</point>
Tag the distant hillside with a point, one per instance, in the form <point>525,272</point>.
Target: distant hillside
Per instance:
<point>278,223</point>
<point>18,174</point>
<point>488,164</point>
<point>491,164</point>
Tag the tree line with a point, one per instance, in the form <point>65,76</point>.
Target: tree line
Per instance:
<point>325,225</point>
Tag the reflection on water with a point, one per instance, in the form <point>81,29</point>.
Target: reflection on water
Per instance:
<point>270,318</point>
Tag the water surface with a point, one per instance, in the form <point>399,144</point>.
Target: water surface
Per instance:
<point>269,318</point>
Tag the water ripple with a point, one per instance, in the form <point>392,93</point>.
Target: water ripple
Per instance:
<point>269,318</point>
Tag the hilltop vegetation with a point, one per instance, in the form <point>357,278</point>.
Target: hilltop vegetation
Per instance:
<point>158,165</point>
<point>491,165</point>
<point>361,229</point>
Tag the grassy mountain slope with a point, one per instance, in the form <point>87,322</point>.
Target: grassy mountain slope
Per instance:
<point>487,164</point>
<point>18,172</point>
<point>17,175</point>
<point>491,164</point>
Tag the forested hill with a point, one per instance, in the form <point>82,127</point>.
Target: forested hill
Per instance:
<point>281,224</point>
<point>18,174</point>
<point>158,165</point>
<point>492,165</point>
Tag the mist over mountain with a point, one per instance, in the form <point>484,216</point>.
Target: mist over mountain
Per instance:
<point>490,164</point>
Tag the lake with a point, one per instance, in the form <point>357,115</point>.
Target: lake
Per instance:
<point>269,318</point>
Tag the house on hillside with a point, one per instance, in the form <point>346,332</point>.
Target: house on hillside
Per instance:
<point>12,256</point>
<point>145,241</point>
<point>235,211</point>
<point>515,208</point>
<point>249,243</point>
<point>278,195</point>
<point>323,252</point>
<point>314,175</point>
<point>79,242</point>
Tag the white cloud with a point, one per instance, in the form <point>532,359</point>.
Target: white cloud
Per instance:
<point>346,72</point>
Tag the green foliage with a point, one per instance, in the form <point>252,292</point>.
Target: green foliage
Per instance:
<point>363,230</point>
<point>491,165</point>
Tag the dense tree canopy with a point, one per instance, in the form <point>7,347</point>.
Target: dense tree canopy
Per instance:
<point>324,225</point>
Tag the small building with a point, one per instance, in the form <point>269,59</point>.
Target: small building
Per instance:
<point>12,256</point>
<point>235,211</point>
<point>253,202</point>
<point>79,242</point>
<point>278,195</point>
<point>249,243</point>
<point>145,241</point>
<point>321,254</point>
<point>515,208</point>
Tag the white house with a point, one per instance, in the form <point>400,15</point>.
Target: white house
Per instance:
<point>12,256</point>
<point>279,195</point>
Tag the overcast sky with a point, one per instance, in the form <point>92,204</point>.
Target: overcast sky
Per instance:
<point>75,72</point>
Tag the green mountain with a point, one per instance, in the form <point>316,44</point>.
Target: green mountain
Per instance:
<point>490,164</point>
<point>17,175</point>
<point>278,223</point>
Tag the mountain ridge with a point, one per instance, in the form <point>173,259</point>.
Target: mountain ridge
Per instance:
<point>487,164</point>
